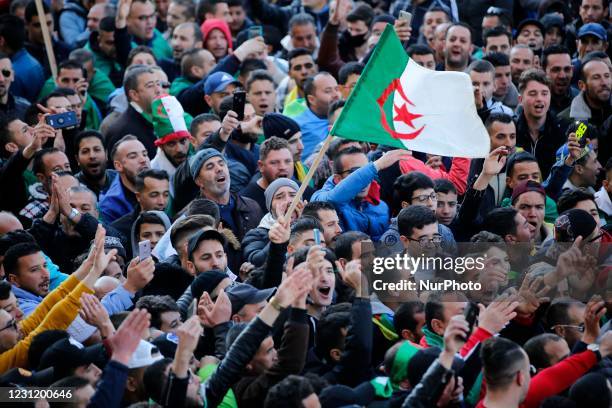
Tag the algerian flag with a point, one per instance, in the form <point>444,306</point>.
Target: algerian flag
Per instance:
<point>396,102</point>
<point>168,119</point>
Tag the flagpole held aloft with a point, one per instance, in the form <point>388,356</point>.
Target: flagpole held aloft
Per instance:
<point>311,171</point>
<point>46,37</point>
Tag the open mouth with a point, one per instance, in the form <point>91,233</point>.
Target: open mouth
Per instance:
<point>220,179</point>
<point>263,107</point>
<point>324,290</point>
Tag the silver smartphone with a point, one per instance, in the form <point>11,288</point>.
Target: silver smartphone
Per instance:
<point>144,250</point>
<point>317,236</point>
<point>405,15</point>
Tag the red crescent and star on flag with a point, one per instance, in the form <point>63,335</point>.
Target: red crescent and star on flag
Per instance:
<point>402,114</point>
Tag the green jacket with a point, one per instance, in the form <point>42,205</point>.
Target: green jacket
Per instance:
<point>102,63</point>
<point>159,45</point>
<point>179,84</point>
<point>93,117</point>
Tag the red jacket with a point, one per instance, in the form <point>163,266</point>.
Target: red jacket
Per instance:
<point>458,175</point>
<point>553,380</point>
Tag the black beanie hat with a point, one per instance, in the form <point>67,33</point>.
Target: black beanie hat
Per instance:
<point>275,124</point>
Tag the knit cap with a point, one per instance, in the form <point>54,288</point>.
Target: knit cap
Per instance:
<point>276,124</point>
<point>168,120</point>
<point>275,185</point>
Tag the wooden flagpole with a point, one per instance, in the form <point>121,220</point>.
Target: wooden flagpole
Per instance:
<point>311,171</point>
<point>46,37</point>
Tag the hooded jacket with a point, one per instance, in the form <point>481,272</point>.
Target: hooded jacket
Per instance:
<point>114,204</point>
<point>256,243</point>
<point>73,23</point>
<point>356,214</point>
<point>221,25</point>
<point>134,239</point>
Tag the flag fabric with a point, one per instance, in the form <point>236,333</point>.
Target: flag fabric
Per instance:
<point>398,103</point>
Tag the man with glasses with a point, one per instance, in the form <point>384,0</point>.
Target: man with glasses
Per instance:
<point>141,86</point>
<point>10,105</point>
<point>415,189</point>
<point>349,187</point>
<point>137,19</point>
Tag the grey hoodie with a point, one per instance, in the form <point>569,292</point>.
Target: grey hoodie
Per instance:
<point>134,239</point>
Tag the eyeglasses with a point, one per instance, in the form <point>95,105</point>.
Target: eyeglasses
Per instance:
<point>424,197</point>
<point>11,325</point>
<point>6,73</point>
<point>579,327</point>
<point>349,171</point>
<point>424,241</point>
<point>164,85</point>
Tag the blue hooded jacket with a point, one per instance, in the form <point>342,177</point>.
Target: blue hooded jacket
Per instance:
<point>356,214</point>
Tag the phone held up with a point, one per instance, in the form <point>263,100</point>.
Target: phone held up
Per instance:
<point>144,250</point>
<point>405,15</point>
<point>62,120</point>
<point>238,104</point>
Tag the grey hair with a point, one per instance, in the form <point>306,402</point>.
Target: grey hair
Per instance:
<point>82,189</point>
<point>130,80</point>
<point>301,19</point>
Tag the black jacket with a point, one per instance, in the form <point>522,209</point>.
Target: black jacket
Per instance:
<point>124,226</point>
<point>238,356</point>
<point>545,148</point>
<point>255,246</point>
<point>13,193</point>
<point>251,391</point>
<point>171,68</point>
<point>246,216</point>
<point>277,16</point>
<point>192,98</point>
<point>131,123</point>
<point>15,106</point>
<point>354,366</point>
<point>271,273</point>
<point>62,248</point>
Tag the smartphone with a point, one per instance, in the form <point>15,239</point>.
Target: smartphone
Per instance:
<point>255,31</point>
<point>62,120</point>
<point>144,250</point>
<point>405,15</point>
<point>238,104</point>
<point>470,313</point>
<point>580,132</point>
<point>317,236</point>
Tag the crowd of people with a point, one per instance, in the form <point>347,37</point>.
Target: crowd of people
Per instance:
<point>243,304</point>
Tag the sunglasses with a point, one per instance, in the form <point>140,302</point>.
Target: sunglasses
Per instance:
<point>6,73</point>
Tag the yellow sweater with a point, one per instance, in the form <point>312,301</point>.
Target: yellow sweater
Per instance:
<point>57,311</point>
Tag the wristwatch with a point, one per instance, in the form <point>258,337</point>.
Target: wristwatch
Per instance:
<point>73,214</point>
<point>595,349</point>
